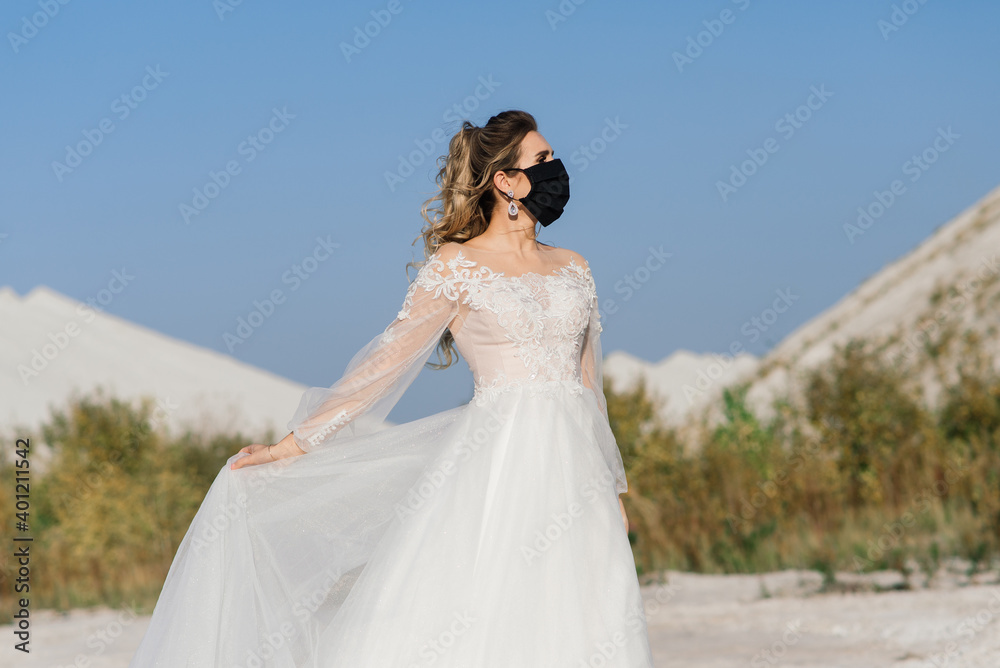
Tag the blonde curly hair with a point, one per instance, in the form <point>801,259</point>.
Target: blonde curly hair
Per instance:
<point>462,207</point>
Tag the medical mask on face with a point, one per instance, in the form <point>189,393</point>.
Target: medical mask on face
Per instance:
<point>548,194</point>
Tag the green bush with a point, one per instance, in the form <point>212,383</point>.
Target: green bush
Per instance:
<point>863,477</point>
<point>111,510</point>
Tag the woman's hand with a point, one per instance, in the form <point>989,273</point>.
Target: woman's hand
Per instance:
<point>624,516</point>
<point>263,454</point>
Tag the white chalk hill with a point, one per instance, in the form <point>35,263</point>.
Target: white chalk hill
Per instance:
<point>917,310</point>
<point>686,382</point>
<point>42,363</point>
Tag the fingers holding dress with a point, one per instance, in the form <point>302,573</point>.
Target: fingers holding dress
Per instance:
<point>258,454</point>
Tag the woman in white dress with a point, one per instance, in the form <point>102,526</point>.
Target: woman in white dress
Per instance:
<point>489,535</point>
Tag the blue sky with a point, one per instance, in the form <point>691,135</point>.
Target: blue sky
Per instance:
<point>650,105</point>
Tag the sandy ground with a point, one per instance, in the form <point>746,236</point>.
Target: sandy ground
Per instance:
<point>779,619</point>
<point>695,621</point>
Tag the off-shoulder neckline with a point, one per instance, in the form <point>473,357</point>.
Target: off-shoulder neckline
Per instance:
<point>460,258</point>
<point>496,252</point>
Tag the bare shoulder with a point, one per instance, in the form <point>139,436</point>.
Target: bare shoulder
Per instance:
<point>448,250</point>
<point>445,253</point>
<point>434,267</point>
<point>566,255</point>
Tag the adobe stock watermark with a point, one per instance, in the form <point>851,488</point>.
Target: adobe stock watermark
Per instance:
<point>263,309</point>
<point>428,146</point>
<point>768,490</point>
<point>967,630</point>
<point>436,647</point>
<point>221,522</point>
<point>752,329</point>
<point>663,593</point>
<point>635,623</point>
<point>364,34</point>
<point>714,27</point>
<point>91,483</point>
<point>777,650</point>
<point>305,607</point>
<point>102,639</point>
<point>899,17</point>
<point>965,292</point>
<point>587,153</point>
<point>562,12</point>
<point>915,167</point>
<point>233,513</point>
<point>59,340</point>
<point>431,481</point>
<point>224,7</point>
<point>636,280</point>
<point>604,650</point>
<point>249,481</point>
<point>389,346</point>
<point>122,107</point>
<point>892,532</point>
<point>786,126</point>
<point>562,522</point>
<point>30,25</point>
<point>248,149</point>
<point>270,644</point>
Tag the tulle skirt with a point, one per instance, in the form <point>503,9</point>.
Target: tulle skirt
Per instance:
<point>488,535</point>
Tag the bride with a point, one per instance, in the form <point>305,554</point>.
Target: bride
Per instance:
<point>489,535</point>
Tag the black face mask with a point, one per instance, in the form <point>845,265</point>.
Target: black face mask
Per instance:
<point>549,190</point>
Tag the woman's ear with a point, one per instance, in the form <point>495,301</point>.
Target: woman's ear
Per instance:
<point>501,181</point>
<point>504,182</point>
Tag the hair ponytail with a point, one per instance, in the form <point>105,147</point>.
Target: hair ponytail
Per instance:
<point>462,207</point>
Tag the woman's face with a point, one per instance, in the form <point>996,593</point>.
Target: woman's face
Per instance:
<point>534,149</point>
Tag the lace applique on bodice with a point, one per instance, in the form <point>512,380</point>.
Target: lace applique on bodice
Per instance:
<point>516,330</point>
<point>535,332</point>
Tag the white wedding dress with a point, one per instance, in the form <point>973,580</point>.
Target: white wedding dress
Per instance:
<point>484,536</point>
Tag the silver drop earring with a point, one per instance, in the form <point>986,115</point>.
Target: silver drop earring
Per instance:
<point>512,209</point>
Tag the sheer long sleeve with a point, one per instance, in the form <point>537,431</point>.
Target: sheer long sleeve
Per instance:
<point>380,372</point>
<point>591,359</point>
<point>591,367</point>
